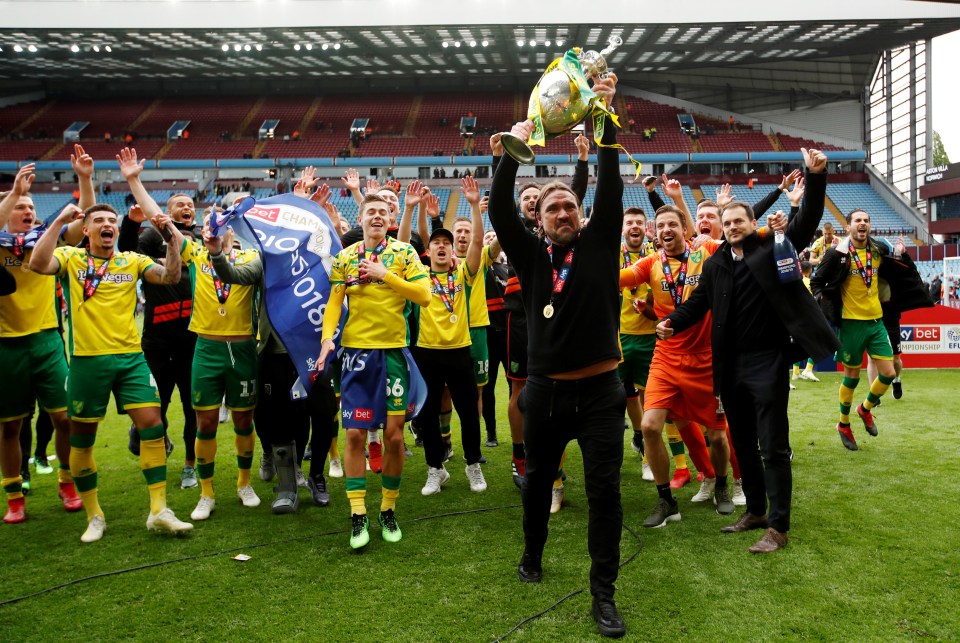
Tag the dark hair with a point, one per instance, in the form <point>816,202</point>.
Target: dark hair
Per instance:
<point>553,186</point>
<point>463,220</point>
<point>98,207</point>
<point>739,204</point>
<point>849,216</point>
<point>664,209</point>
<point>805,267</point>
<point>526,186</point>
<point>635,210</point>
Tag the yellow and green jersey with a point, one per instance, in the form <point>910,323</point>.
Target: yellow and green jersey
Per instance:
<point>479,316</point>
<point>375,313</point>
<point>632,323</point>
<point>860,302</point>
<point>103,324</point>
<point>33,307</point>
<point>440,328</point>
<point>236,316</point>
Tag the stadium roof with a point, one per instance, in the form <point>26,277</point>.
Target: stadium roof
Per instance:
<point>715,53</point>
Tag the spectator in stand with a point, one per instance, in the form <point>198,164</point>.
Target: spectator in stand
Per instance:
<point>936,289</point>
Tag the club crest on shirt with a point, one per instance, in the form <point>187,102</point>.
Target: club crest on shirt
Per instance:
<point>120,261</point>
<point>387,260</point>
<point>696,257</point>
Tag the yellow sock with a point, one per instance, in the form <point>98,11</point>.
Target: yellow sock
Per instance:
<point>358,502</point>
<point>847,386</point>
<point>83,469</point>
<point>809,367</point>
<point>244,441</point>
<point>558,483</point>
<point>796,369</point>
<point>63,475</point>
<point>877,389</point>
<point>153,464</point>
<point>334,450</point>
<point>389,500</point>
<point>206,450</point>
<point>13,487</point>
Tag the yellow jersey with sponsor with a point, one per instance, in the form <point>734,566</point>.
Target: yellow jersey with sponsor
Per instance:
<point>820,247</point>
<point>375,311</point>
<point>479,316</point>
<point>103,324</point>
<point>632,322</point>
<point>439,327</point>
<point>860,302</point>
<point>234,317</point>
<point>649,270</point>
<point>33,307</point>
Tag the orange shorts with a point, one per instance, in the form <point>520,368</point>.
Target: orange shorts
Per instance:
<point>683,383</point>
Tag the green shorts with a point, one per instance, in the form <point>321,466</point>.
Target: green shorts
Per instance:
<point>92,378</point>
<point>398,381</point>
<point>35,368</point>
<point>637,354</point>
<point>480,354</point>
<point>857,336</point>
<point>224,369</point>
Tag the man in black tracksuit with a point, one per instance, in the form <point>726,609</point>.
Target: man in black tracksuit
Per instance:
<point>570,292</point>
<point>760,327</point>
<point>167,342</point>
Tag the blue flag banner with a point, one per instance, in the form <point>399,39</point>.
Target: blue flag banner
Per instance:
<point>26,240</point>
<point>297,245</point>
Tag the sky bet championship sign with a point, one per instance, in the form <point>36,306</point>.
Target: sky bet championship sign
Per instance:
<point>934,338</point>
<point>297,245</point>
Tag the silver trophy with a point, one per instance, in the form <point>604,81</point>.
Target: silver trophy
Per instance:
<point>557,102</point>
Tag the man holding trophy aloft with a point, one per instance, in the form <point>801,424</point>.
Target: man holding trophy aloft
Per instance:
<point>569,280</point>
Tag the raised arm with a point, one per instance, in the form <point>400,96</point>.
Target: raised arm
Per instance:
<point>581,171</point>
<point>351,181</point>
<point>802,227</point>
<point>513,235</point>
<point>650,183</point>
<point>21,187</point>
<point>248,274</point>
<point>169,273</point>
<point>42,259</point>
<point>131,168</point>
<point>411,199</point>
<point>83,168</point>
<point>608,200</point>
<point>673,189</point>
<point>471,192</point>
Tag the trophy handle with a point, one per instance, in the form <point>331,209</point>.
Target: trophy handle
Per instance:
<point>517,148</point>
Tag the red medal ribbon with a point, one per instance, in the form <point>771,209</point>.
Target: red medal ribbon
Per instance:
<point>94,277</point>
<point>676,288</point>
<point>865,273</point>
<point>223,290</point>
<point>446,294</point>
<point>362,254</point>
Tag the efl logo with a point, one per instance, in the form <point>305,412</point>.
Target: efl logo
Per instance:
<point>363,415</point>
<point>267,214</point>
<point>920,333</point>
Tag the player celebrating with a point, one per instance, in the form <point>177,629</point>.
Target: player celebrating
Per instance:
<point>101,288</point>
<point>377,276</point>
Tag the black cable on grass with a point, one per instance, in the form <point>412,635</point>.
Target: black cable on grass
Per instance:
<point>573,593</point>
<point>118,572</point>
<point>182,559</point>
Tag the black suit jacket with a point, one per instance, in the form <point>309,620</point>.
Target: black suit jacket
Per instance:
<point>810,334</point>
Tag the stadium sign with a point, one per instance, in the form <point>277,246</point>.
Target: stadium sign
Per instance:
<point>933,338</point>
<point>942,173</point>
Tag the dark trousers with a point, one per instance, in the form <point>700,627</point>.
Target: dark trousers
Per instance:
<point>755,393</point>
<point>452,368</point>
<point>44,434</point>
<point>171,366</point>
<point>497,348</point>
<point>589,411</point>
<point>280,420</point>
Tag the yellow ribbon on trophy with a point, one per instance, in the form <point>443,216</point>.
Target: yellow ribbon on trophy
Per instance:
<point>570,65</point>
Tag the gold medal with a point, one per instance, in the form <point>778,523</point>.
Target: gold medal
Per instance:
<point>548,311</point>
<point>24,267</point>
<point>453,319</point>
<point>222,311</point>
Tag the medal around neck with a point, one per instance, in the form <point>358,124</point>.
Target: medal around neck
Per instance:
<point>548,311</point>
